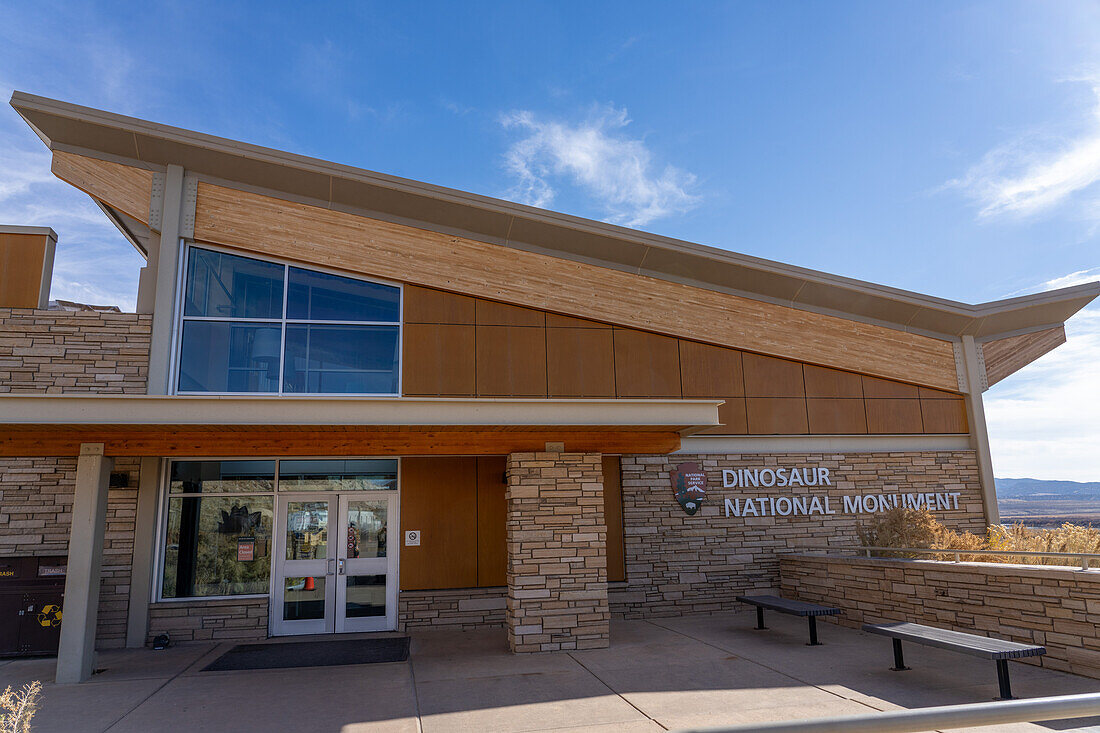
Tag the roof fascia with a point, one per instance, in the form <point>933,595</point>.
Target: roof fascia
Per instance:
<point>806,289</point>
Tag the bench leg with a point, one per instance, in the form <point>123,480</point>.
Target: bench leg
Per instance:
<point>813,632</point>
<point>899,658</point>
<point>1002,680</point>
<point>760,618</point>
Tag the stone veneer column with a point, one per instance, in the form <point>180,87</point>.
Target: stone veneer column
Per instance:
<point>557,552</point>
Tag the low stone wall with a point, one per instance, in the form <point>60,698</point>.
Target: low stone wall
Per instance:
<point>36,501</point>
<point>65,351</point>
<point>230,619</point>
<point>679,564</point>
<point>1056,607</point>
<point>463,609</point>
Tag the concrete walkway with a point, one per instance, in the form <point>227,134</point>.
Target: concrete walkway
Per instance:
<point>657,675</point>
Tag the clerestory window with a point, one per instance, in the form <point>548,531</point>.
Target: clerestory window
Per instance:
<point>253,326</point>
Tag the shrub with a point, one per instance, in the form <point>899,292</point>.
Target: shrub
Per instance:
<point>18,708</point>
<point>917,528</point>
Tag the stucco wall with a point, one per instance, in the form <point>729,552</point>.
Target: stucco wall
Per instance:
<point>678,564</point>
<point>1056,607</point>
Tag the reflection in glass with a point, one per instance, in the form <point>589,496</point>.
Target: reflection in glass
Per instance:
<point>307,530</point>
<point>319,296</point>
<point>208,477</point>
<point>217,546</point>
<point>366,596</point>
<point>338,475</point>
<point>230,286</point>
<point>218,356</point>
<point>303,598</point>
<point>367,532</point>
<point>340,359</point>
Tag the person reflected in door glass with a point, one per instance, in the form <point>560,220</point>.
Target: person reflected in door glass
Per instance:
<point>353,540</point>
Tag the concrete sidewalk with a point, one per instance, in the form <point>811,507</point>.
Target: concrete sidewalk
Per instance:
<point>657,675</point>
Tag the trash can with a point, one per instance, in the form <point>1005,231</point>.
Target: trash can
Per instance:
<point>31,593</point>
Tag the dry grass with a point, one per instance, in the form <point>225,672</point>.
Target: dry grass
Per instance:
<point>18,707</point>
<point>919,529</point>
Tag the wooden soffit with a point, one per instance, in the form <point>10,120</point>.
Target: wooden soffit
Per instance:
<point>1009,355</point>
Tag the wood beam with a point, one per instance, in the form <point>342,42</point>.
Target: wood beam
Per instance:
<point>129,441</point>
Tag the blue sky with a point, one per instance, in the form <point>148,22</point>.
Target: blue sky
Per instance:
<point>950,148</point>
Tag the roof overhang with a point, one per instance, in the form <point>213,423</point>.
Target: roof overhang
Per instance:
<point>185,425</point>
<point>87,131</point>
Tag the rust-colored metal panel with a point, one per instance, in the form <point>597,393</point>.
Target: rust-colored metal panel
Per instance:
<point>511,361</point>
<point>491,313</point>
<point>825,382</point>
<point>888,416</point>
<point>425,305</point>
<point>22,257</point>
<point>937,394</point>
<point>766,376</point>
<point>706,371</point>
<point>553,320</point>
<point>875,388</point>
<point>437,360</point>
<point>944,416</point>
<point>646,365</point>
<point>613,518</point>
<point>439,498</point>
<point>836,416</point>
<point>580,362</point>
<point>733,417</point>
<point>776,415</point>
<point>492,515</point>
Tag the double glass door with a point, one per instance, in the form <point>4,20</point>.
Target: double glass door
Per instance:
<point>336,569</point>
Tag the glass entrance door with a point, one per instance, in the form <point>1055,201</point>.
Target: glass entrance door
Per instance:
<point>335,570</point>
<point>366,589</point>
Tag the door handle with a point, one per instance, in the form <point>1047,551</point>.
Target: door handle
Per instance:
<point>331,567</point>
<point>340,562</point>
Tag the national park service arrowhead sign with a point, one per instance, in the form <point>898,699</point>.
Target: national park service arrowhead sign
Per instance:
<point>689,486</point>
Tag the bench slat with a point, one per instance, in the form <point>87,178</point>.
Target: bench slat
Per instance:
<point>786,605</point>
<point>958,641</point>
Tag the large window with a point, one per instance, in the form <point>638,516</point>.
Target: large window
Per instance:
<point>220,527</point>
<point>254,326</point>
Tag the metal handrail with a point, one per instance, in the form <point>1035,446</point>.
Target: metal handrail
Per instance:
<point>1062,707</point>
<point>1083,557</point>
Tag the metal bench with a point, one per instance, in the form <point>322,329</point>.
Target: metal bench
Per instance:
<point>795,608</point>
<point>957,641</point>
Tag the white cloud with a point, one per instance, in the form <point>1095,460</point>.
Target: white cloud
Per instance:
<point>1036,173</point>
<point>598,157</point>
<point>1044,421</point>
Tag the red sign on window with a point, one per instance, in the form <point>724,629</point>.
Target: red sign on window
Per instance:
<point>246,549</point>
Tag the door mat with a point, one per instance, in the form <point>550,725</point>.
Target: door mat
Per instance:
<point>312,654</point>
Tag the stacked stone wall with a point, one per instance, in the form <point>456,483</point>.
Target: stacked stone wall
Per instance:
<point>36,500</point>
<point>677,564</point>
<point>236,619</point>
<point>1058,608</point>
<point>66,352</point>
<point>557,558</point>
<point>462,609</point>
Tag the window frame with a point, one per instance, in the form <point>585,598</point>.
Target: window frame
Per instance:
<point>164,488</point>
<point>179,319</point>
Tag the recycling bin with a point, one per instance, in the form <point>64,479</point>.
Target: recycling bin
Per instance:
<point>32,591</point>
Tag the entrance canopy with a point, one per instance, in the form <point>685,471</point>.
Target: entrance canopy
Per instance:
<point>56,425</point>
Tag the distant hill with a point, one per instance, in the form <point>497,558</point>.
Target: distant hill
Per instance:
<point>1033,489</point>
